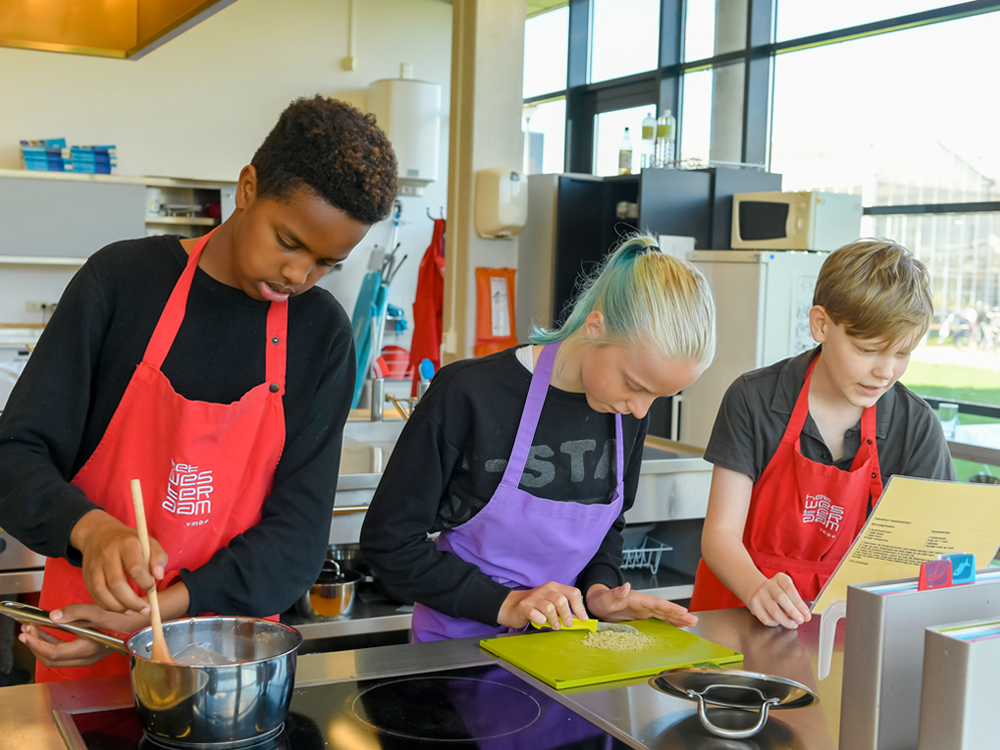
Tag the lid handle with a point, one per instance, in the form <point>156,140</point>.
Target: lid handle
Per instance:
<point>732,734</point>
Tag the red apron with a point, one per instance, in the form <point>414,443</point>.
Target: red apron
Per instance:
<point>205,468</point>
<point>428,306</point>
<point>803,515</point>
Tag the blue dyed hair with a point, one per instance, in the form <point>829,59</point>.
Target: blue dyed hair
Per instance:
<point>647,299</point>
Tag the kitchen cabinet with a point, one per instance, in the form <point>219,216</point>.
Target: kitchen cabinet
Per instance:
<point>59,218</point>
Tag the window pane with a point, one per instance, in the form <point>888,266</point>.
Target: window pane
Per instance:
<point>852,117</point>
<point>804,17</point>
<point>962,253</point>
<point>546,50</point>
<point>624,36</point>
<point>712,115</point>
<point>609,129</point>
<point>544,129</point>
<point>962,355</point>
<point>712,29</point>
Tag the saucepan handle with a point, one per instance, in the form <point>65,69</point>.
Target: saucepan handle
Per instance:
<point>732,734</point>
<point>26,614</point>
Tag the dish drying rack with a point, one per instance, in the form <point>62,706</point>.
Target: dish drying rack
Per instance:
<point>646,555</point>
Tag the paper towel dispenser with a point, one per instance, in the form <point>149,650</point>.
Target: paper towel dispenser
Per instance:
<point>501,203</point>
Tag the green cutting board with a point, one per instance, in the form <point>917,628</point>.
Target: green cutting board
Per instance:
<point>559,658</point>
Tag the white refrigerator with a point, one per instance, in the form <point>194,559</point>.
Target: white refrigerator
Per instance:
<point>763,299</point>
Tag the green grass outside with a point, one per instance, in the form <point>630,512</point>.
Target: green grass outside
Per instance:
<point>977,384</point>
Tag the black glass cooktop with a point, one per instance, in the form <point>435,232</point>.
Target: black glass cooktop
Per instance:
<point>483,707</point>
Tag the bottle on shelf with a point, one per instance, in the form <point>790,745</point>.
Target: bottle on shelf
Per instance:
<point>625,155</point>
<point>666,129</point>
<point>648,140</point>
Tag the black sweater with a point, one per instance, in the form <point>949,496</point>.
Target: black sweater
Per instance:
<point>75,379</point>
<point>449,460</point>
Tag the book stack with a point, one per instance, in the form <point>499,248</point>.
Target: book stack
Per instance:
<point>93,159</point>
<point>52,155</point>
<point>44,155</point>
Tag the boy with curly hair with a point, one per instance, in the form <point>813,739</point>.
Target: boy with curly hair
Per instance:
<point>214,371</point>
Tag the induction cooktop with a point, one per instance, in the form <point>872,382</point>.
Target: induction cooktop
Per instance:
<point>483,707</point>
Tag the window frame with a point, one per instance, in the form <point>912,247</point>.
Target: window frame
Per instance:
<point>662,87</point>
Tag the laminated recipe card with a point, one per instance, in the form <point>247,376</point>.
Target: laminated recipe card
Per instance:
<point>916,520</point>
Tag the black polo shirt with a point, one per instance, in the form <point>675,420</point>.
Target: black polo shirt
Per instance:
<point>756,409</point>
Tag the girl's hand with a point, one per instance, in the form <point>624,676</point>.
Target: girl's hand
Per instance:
<point>777,602</point>
<point>622,604</point>
<point>111,556</point>
<point>549,604</point>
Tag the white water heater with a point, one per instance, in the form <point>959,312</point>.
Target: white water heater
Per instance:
<point>409,112</point>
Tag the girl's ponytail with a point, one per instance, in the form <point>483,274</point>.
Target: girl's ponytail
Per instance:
<point>646,296</point>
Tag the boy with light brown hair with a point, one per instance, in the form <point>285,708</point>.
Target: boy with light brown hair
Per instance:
<point>802,447</point>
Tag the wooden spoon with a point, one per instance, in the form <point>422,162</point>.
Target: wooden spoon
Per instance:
<point>160,651</point>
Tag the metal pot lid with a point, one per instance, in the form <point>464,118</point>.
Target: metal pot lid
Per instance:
<point>734,688</point>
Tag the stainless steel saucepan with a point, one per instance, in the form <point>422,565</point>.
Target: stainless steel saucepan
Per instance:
<point>237,691</point>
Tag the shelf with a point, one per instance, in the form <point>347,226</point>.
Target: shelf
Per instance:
<point>195,221</point>
<point>40,260</point>
<point>168,182</point>
<point>373,616</point>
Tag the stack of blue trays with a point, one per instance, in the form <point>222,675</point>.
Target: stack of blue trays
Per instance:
<point>51,155</point>
<point>44,155</point>
<point>94,159</point>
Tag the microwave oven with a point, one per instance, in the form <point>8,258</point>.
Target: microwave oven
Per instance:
<point>806,220</point>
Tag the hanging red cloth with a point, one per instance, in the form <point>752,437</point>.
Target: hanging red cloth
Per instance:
<point>428,306</point>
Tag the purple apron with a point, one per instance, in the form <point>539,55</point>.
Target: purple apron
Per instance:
<point>520,540</point>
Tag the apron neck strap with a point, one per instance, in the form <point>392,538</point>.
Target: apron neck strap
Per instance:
<point>801,409</point>
<point>173,313</point>
<point>530,414</point>
<point>620,450</point>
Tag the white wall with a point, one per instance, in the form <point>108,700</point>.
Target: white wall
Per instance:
<point>199,107</point>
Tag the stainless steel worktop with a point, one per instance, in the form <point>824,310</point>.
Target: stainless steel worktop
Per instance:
<point>630,710</point>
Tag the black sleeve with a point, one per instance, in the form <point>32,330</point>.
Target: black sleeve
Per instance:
<point>605,566</point>
<point>731,444</point>
<point>42,424</point>
<point>405,509</point>
<point>263,571</point>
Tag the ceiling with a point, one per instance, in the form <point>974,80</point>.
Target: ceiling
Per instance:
<point>537,7</point>
<point>126,29</point>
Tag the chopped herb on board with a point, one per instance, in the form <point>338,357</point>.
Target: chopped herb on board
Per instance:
<point>613,641</point>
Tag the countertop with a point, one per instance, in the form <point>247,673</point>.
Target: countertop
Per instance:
<point>631,710</point>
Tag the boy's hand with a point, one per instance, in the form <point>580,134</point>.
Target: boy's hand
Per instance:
<point>91,616</point>
<point>80,652</point>
<point>622,605</point>
<point>777,602</point>
<point>547,604</point>
<point>57,654</point>
<point>111,555</point>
